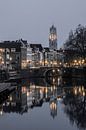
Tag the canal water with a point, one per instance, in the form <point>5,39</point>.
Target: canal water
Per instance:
<point>39,104</point>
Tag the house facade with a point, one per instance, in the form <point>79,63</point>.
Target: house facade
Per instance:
<point>13,54</point>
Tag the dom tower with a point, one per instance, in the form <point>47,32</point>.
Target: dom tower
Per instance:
<point>53,38</point>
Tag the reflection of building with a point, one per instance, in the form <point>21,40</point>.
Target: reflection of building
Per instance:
<point>53,108</point>
<point>53,38</point>
<point>75,105</point>
<point>17,101</point>
<point>13,54</point>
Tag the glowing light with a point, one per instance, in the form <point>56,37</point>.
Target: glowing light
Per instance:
<point>24,90</point>
<point>1,112</point>
<point>53,80</point>
<point>10,58</point>
<point>58,70</point>
<point>10,98</point>
<point>80,89</point>
<point>28,93</point>
<point>46,62</point>
<point>51,89</point>
<point>75,91</point>
<point>53,70</point>
<point>83,93</point>
<point>46,90</point>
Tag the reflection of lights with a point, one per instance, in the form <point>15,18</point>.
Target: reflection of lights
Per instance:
<point>53,80</point>
<point>46,90</point>
<point>53,106</point>
<point>1,112</point>
<point>10,98</point>
<point>10,58</point>
<point>80,89</point>
<point>51,62</point>
<point>1,50</point>
<point>75,91</point>
<point>24,63</point>
<point>46,62</point>
<point>54,87</point>
<point>51,88</point>
<point>58,81</point>
<point>24,90</point>
<point>32,86</point>
<point>60,63</point>
<point>28,93</point>
<point>2,62</point>
<point>41,91</point>
<point>83,93</point>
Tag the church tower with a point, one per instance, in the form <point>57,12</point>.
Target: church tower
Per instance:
<point>53,38</point>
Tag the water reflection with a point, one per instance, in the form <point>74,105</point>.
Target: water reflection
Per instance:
<point>75,105</point>
<point>31,94</point>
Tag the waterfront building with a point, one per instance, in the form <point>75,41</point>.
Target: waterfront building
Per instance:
<point>13,54</point>
<point>53,38</point>
<point>50,57</point>
<point>34,55</point>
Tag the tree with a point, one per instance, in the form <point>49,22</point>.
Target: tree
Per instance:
<point>77,42</point>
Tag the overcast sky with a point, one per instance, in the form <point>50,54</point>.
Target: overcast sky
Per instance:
<point>31,19</point>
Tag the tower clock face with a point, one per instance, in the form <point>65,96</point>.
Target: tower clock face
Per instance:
<point>52,37</point>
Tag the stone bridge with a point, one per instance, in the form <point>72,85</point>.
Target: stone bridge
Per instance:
<point>42,72</point>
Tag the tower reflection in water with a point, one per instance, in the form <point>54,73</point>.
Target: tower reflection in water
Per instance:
<point>31,94</point>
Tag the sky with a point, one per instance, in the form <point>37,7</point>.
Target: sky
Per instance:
<point>31,19</point>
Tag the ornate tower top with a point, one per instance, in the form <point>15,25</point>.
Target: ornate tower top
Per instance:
<point>53,38</point>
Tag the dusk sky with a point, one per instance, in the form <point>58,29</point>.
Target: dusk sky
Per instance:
<point>31,19</point>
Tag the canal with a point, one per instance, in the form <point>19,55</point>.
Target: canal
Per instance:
<point>40,104</point>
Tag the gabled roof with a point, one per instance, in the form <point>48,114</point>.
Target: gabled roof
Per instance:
<point>36,46</point>
<point>47,49</point>
<point>12,44</point>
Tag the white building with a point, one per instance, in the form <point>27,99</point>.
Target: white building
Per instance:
<point>34,55</point>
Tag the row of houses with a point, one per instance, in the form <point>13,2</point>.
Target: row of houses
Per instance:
<point>20,54</point>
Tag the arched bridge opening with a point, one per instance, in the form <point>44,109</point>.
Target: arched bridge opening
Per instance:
<point>52,74</point>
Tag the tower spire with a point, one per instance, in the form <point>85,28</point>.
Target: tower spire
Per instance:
<point>53,38</point>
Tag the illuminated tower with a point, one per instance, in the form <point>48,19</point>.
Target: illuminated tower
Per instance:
<point>53,38</point>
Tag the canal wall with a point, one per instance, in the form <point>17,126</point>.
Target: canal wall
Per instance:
<point>3,75</point>
<point>74,72</point>
<point>32,73</point>
<point>43,72</point>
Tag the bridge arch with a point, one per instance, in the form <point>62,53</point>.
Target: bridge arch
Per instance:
<point>52,72</point>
